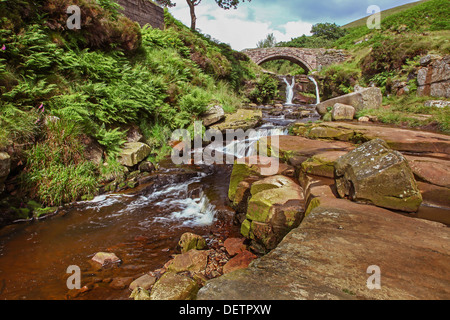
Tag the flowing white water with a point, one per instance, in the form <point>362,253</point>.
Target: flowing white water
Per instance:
<point>247,147</point>
<point>289,91</point>
<point>173,198</point>
<point>317,89</point>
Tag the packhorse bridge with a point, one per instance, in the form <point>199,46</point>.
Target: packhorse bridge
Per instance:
<point>309,59</point>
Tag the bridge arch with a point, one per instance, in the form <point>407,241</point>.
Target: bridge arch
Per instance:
<point>305,65</point>
<point>308,58</point>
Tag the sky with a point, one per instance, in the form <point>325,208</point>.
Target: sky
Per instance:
<point>251,22</point>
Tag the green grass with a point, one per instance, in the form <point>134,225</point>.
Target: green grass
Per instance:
<point>384,14</point>
<point>408,111</point>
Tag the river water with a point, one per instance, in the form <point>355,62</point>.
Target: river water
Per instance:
<point>141,226</point>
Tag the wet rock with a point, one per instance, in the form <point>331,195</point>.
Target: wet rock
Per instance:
<point>342,112</point>
<point>120,283</point>
<point>242,119</point>
<point>105,258</point>
<point>172,286</point>
<point>193,261</point>
<point>373,173</point>
<point>190,241</point>
<point>140,294</point>
<point>213,115</point>
<point>133,153</point>
<point>367,98</point>
<point>146,166</point>
<point>144,282</point>
<point>235,246</point>
<point>241,261</point>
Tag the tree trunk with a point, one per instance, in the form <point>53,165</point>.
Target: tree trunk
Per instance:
<point>193,16</point>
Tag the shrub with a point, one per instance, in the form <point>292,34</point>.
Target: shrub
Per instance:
<point>266,89</point>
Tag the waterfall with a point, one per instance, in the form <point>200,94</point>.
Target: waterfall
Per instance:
<point>289,91</point>
<point>317,89</point>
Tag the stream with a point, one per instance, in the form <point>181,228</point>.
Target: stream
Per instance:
<point>141,226</point>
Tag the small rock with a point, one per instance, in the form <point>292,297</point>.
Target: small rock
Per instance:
<point>120,283</point>
<point>193,261</point>
<point>144,282</point>
<point>437,103</point>
<point>342,112</point>
<point>146,166</point>
<point>364,119</point>
<point>140,294</point>
<point>235,246</point>
<point>190,241</point>
<point>105,258</point>
<point>241,261</point>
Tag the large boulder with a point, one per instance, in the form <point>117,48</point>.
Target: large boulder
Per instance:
<point>373,173</point>
<point>367,98</point>
<point>172,286</point>
<point>434,79</point>
<point>328,255</point>
<point>213,114</point>
<point>243,119</point>
<point>133,153</point>
<point>251,169</point>
<point>193,261</point>
<point>5,166</point>
<point>276,206</point>
<point>342,112</point>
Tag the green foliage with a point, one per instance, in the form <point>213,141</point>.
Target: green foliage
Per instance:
<point>329,31</point>
<point>266,89</point>
<point>308,42</point>
<point>161,83</point>
<point>268,42</point>
<point>283,67</point>
<point>339,79</point>
<point>111,139</point>
<point>56,170</point>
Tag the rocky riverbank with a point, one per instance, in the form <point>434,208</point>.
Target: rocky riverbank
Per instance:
<point>345,232</point>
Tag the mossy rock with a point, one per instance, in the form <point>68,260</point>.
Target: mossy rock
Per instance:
<point>373,173</point>
<point>41,212</point>
<point>172,286</point>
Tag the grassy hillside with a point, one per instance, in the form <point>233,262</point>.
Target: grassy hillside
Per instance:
<point>60,87</point>
<point>384,14</point>
<point>390,56</point>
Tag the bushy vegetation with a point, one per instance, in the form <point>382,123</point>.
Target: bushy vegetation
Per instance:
<point>57,83</point>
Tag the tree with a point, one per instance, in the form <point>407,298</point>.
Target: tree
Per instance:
<point>224,4</point>
<point>269,42</point>
<point>330,31</point>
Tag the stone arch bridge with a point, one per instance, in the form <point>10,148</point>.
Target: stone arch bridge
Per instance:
<point>308,59</point>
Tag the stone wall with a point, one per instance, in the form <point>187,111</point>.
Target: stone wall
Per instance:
<point>433,77</point>
<point>143,12</point>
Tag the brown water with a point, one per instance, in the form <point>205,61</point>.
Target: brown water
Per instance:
<point>141,227</point>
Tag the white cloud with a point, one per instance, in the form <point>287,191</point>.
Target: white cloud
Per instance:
<point>233,26</point>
